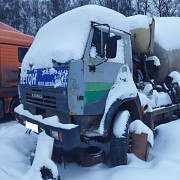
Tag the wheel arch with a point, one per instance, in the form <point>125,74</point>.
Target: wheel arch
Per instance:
<point>133,105</point>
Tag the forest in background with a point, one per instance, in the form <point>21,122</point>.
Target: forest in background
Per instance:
<point>29,15</point>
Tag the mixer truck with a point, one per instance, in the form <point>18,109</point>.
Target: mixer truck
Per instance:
<point>91,71</point>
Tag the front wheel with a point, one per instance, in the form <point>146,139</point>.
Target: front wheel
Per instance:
<point>119,139</point>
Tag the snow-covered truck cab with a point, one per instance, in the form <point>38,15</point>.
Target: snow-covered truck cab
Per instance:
<point>67,75</point>
<point>59,86</point>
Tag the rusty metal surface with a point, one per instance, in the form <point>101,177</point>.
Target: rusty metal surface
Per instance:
<point>151,117</point>
<point>140,146</point>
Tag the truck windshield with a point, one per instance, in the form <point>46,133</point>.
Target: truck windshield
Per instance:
<point>21,53</point>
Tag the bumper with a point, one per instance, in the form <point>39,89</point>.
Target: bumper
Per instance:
<point>65,138</point>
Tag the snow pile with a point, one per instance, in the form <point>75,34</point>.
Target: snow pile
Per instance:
<point>153,98</point>
<point>51,121</point>
<point>139,127</point>
<point>16,147</point>
<point>163,162</point>
<point>124,87</point>
<point>139,21</point>
<point>120,123</point>
<point>167,32</point>
<point>64,38</point>
<point>148,89</point>
<point>45,145</point>
<point>176,77</point>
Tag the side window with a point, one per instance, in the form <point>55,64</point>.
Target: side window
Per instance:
<point>21,53</point>
<point>119,58</point>
<point>98,46</point>
<point>95,51</point>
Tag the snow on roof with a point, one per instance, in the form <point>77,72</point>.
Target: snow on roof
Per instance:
<point>139,21</point>
<point>64,38</point>
<point>167,32</point>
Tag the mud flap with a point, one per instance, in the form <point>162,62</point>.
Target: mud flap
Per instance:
<point>140,146</point>
<point>43,167</point>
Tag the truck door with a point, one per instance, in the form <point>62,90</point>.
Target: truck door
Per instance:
<point>99,72</point>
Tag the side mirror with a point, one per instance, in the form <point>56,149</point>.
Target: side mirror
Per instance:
<point>111,47</point>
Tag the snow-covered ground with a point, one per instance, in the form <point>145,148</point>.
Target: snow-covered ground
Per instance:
<point>163,163</point>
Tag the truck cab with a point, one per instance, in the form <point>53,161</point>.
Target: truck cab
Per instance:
<point>13,46</point>
<point>75,91</point>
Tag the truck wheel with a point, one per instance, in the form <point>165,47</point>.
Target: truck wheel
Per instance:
<point>14,103</point>
<point>119,140</point>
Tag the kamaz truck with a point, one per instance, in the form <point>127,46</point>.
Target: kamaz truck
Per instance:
<point>90,72</point>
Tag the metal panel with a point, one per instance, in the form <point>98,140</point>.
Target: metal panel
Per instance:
<point>76,88</point>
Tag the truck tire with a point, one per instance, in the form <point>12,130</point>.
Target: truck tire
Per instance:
<point>14,103</point>
<point>119,145</point>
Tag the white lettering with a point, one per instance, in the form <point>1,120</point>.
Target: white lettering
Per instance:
<point>29,79</point>
<point>34,79</point>
<point>40,83</point>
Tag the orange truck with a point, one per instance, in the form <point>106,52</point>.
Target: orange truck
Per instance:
<point>13,47</point>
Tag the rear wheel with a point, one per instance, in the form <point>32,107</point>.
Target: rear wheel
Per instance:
<point>14,103</point>
<point>119,139</point>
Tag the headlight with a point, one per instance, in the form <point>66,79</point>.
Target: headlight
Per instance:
<point>55,134</point>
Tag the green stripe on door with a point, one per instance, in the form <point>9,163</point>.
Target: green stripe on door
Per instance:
<point>91,96</point>
<point>94,92</point>
<point>96,87</point>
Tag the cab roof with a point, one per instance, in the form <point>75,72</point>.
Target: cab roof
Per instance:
<point>64,38</point>
<point>9,35</point>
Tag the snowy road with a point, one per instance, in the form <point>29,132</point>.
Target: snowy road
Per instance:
<point>164,159</point>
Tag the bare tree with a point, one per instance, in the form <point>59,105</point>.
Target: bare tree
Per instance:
<point>142,6</point>
<point>166,7</point>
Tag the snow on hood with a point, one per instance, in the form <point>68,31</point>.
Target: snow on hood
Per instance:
<point>167,32</point>
<point>139,21</point>
<point>64,38</point>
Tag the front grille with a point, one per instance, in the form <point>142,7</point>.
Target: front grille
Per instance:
<point>46,101</point>
<point>46,98</point>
